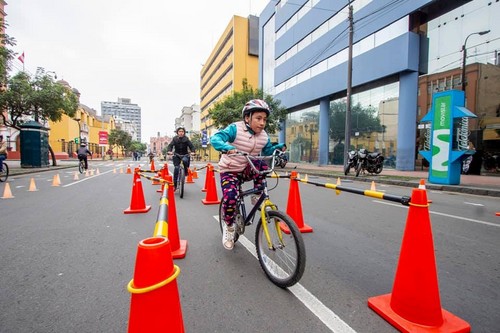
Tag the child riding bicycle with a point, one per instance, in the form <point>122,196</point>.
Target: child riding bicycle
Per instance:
<point>246,136</point>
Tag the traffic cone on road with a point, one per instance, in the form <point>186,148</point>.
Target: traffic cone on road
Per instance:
<point>211,198</point>
<point>154,289</point>
<point>294,205</point>
<point>128,169</point>
<point>421,186</point>
<point>178,246</point>
<point>55,180</point>
<point>195,173</point>
<point>207,177</point>
<point>32,185</point>
<point>152,166</point>
<point>189,179</point>
<point>137,202</point>
<point>7,194</point>
<point>373,188</point>
<point>414,304</point>
<point>163,174</point>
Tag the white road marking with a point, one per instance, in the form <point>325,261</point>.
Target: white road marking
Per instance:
<point>327,316</point>
<point>473,204</point>
<point>87,178</point>
<point>442,214</point>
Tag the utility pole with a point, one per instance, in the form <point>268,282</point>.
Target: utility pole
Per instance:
<point>347,139</point>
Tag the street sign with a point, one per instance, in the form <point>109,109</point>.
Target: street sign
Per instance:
<point>103,138</point>
<point>204,138</point>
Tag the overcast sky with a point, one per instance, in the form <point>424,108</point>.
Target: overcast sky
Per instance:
<point>149,51</point>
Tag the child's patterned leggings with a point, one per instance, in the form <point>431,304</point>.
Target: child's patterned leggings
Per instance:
<point>230,182</point>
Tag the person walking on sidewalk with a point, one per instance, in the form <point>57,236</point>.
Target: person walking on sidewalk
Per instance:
<point>249,136</point>
<point>3,152</point>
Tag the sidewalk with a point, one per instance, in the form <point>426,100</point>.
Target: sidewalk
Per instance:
<point>487,185</point>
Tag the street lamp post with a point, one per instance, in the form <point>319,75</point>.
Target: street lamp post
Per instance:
<point>464,55</point>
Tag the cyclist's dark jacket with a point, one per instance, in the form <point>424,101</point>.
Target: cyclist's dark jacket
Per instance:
<point>181,145</point>
<point>83,151</point>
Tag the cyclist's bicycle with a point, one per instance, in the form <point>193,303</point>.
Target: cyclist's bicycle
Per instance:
<point>5,173</point>
<point>181,176</point>
<point>282,255</point>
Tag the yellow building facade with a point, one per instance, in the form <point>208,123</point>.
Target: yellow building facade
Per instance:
<point>233,59</point>
<point>83,127</point>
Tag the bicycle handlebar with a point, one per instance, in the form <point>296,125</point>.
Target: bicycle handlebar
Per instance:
<point>252,157</point>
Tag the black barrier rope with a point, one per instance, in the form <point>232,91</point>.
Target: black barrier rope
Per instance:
<point>404,200</point>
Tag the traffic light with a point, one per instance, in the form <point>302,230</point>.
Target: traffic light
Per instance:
<point>77,140</point>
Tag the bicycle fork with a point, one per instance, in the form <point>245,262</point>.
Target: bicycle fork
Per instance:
<point>264,217</point>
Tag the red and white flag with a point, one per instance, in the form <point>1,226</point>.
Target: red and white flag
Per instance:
<point>21,58</point>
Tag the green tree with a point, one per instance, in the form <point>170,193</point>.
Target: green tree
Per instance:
<point>195,138</point>
<point>38,98</point>
<point>136,146</point>
<point>229,109</point>
<point>6,54</point>
<point>121,139</point>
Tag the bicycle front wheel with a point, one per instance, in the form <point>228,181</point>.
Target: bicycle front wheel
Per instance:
<point>5,173</point>
<point>181,178</point>
<point>285,260</point>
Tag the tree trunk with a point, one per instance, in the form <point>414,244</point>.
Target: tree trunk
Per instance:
<point>54,161</point>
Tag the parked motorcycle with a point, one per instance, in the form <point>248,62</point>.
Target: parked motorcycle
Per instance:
<point>352,161</point>
<point>281,159</point>
<point>369,162</point>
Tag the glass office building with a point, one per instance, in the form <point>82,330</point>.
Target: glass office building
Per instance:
<point>304,58</point>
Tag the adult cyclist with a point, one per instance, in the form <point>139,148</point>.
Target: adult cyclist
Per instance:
<point>3,152</point>
<point>180,143</point>
<point>82,154</point>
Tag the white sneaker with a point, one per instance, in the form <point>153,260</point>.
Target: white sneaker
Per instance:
<point>228,237</point>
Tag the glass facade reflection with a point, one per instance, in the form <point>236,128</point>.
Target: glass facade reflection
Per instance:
<point>302,135</point>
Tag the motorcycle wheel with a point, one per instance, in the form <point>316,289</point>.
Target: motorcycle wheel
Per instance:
<point>379,168</point>
<point>358,168</point>
<point>347,167</point>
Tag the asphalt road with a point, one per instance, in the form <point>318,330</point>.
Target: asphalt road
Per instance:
<point>68,253</point>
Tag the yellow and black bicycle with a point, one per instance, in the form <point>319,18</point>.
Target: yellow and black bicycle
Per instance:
<point>282,255</point>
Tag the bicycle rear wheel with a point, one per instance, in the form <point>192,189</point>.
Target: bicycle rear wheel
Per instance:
<point>181,178</point>
<point>285,262</point>
<point>81,166</point>
<point>5,173</point>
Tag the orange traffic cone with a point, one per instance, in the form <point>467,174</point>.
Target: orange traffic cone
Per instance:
<point>128,169</point>
<point>189,179</point>
<point>294,206</point>
<point>154,289</point>
<point>152,168</point>
<point>163,174</point>
<point>373,188</point>
<point>165,166</point>
<point>421,186</point>
<point>7,194</point>
<point>155,179</point>
<point>55,180</point>
<point>121,170</point>
<point>207,177</point>
<point>178,246</point>
<point>32,186</point>
<point>497,213</point>
<point>211,198</point>
<point>137,202</point>
<point>414,304</point>
<point>114,170</point>
<point>195,173</point>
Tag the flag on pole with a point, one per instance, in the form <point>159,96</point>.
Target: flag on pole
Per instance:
<point>21,57</point>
